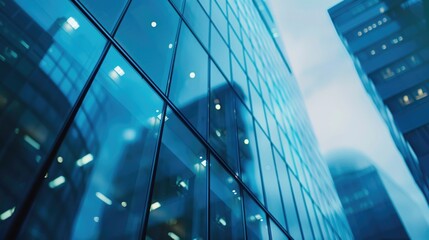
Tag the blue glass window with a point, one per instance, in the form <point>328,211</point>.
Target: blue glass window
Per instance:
<point>256,220</point>
<point>189,86</point>
<point>220,52</point>
<point>198,21</point>
<point>276,233</point>
<point>178,208</point>
<point>153,47</point>
<point>300,204</point>
<point>99,180</point>
<point>106,14</point>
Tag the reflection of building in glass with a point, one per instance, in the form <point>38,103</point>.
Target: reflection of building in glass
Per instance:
<point>389,44</point>
<point>193,129</point>
<point>367,205</point>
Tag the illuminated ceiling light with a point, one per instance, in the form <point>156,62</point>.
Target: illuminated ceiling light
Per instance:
<point>57,182</point>
<point>60,159</point>
<point>7,214</point>
<point>173,236</point>
<point>183,184</point>
<point>406,99</point>
<point>218,133</point>
<point>384,19</point>
<point>24,44</point>
<point>382,10</point>
<point>124,204</point>
<point>359,33</point>
<point>246,141</point>
<point>365,30</point>
<point>153,24</point>
<point>103,198</point>
<point>383,46</point>
<point>119,71</point>
<point>73,23</point>
<point>204,163</point>
<point>96,219</point>
<point>85,160</point>
<point>113,75</point>
<point>192,74</point>
<point>234,191</point>
<point>170,46</point>
<point>369,28</point>
<point>374,25</point>
<point>129,134</point>
<point>155,206</point>
<point>379,22</point>
<point>420,91</point>
<point>32,142</point>
<point>218,106</point>
<point>222,221</point>
<point>259,217</point>
<point>160,117</point>
<point>400,38</point>
<point>372,52</point>
<point>46,175</point>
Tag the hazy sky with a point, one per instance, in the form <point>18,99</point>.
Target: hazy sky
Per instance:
<point>341,112</point>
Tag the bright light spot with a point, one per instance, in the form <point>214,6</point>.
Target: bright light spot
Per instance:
<point>153,24</point>
<point>230,180</point>
<point>218,133</point>
<point>96,219</point>
<point>160,117</point>
<point>235,192</point>
<point>246,141</point>
<point>32,142</point>
<point>103,198</point>
<point>119,71</point>
<point>218,106</point>
<point>7,214</point>
<point>406,99</point>
<point>183,184</point>
<point>192,75</point>
<point>383,46</point>
<point>24,44</point>
<point>85,160</point>
<point>113,75</point>
<point>204,163</point>
<point>173,236</point>
<point>170,46</point>
<point>73,23</point>
<point>124,204</point>
<point>372,52</point>
<point>155,206</point>
<point>222,221</point>
<point>60,159</point>
<point>359,33</point>
<point>382,10</point>
<point>129,134</point>
<point>46,175</point>
<point>57,182</point>
<point>259,217</point>
<point>201,157</point>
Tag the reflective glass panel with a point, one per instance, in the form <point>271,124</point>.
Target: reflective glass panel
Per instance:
<point>98,183</point>
<point>198,21</point>
<point>106,13</point>
<point>189,87</point>
<point>300,204</point>
<point>47,51</point>
<point>156,23</point>
<point>239,80</point>
<point>258,107</point>
<point>276,233</point>
<point>223,126</point>
<point>269,176</point>
<point>226,215</point>
<point>220,52</point>
<point>256,220</point>
<point>178,209</point>
<point>250,171</point>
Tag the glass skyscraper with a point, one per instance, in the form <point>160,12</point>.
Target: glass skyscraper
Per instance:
<point>389,42</point>
<point>155,119</point>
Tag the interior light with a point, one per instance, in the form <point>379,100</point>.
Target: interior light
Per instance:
<point>218,133</point>
<point>129,134</point>
<point>153,24</point>
<point>155,206</point>
<point>103,198</point>
<point>204,163</point>
<point>218,106</point>
<point>173,236</point>
<point>113,75</point>
<point>73,23</point>
<point>421,94</point>
<point>84,160</point>
<point>57,182</point>
<point>46,175</point>
<point>160,117</point>
<point>192,75</point>
<point>234,191</point>
<point>24,44</point>
<point>246,141</point>
<point>382,10</point>
<point>96,219</point>
<point>60,159</point>
<point>406,99</point>
<point>7,214</point>
<point>222,221</point>
<point>119,70</point>
<point>170,46</point>
<point>32,142</point>
<point>124,204</point>
<point>259,217</point>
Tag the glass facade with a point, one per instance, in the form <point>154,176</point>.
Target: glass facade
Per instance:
<point>154,119</point>
<point>388,41</point>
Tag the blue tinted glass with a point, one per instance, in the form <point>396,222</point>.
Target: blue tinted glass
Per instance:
<point>258,107</point>
<point>276,233</point>
<point>206,5</point>
<point>236,46</point>
<point>219,20</point>
<point>256,220</point>
<point>300,204</point>
<point>106,13</point>
<point>269,176</point>
<point>239,81</point>
<point>226,215</point>
<point>178,209</point>
<point>156,23</point>
<point>48,50</point>
<point>220,52</point>
<point>198,21</point>
<point>250,171</point>
<point>99,180</point>
<point>313,219</point>
<point>189,87</point>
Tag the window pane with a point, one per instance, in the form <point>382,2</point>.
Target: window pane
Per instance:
<point>225,205</point>
<point>106,14</point>
<point>220,52</point>
<point>47,51</point>
<point>156,22</point>
<point>198,20</point>
<point>250,171</point>
<point>272,194</point>
<point>276,233</point>
<point>305,222</point>
<point>223,127</point>
<point>256,221</point>
<point>179,203</point>
<point>189,87</point>
<point>99,181</point>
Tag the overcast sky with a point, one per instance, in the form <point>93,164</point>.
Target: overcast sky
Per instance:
<point>342,114</point>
